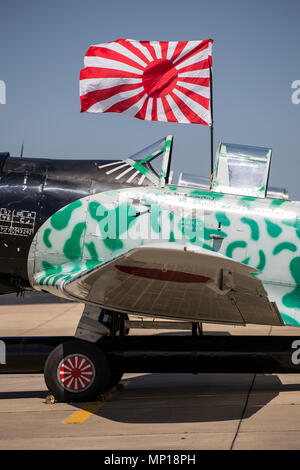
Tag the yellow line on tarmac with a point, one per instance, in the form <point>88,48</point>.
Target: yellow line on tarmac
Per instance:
<point>91,408</point>
<point>85,413</point>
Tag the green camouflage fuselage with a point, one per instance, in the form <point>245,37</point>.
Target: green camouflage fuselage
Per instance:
<point>261,233</point>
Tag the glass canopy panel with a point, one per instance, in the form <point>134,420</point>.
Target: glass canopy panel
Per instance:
<point>150,152</point>
<point>242,169</point>
<point>146,161</point>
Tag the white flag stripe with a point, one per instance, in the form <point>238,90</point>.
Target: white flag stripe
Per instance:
<point>189,47</point>
<point>203,73</point>
<point>196,107</point>
<point>92,84</point>
<point>117,47</point>
<point>94,61</point>
<point>161,116</point>
<point>143,49</point>
<point>176,111</point>
<point>202,55</point>
<point>157,48</point>
<point>199,89</point>
<point>149,109</point>
<point>136,107</point>
<point>103,105</point>
<point>171,48</point>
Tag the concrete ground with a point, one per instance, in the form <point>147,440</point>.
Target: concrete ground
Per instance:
<point>151,411</point>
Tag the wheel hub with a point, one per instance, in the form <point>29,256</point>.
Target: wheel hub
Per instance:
<point>76,373</point>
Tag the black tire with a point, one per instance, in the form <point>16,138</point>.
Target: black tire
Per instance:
<point>115,379</point>
<point>91,373</point>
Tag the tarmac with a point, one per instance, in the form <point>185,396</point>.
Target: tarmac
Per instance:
<point>148,411</point>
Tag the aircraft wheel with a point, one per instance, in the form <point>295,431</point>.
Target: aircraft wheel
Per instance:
<point>115,379</point>
<point>77,371</point>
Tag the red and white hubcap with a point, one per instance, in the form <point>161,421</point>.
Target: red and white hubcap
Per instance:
<point>76,372</point>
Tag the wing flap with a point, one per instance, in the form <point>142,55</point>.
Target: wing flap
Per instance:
<point>172,281</point>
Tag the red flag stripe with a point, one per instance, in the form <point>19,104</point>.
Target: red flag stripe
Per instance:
<point>105,53</point>
<point>122,106</point>
<point>202,65</point>
<point>93,97</point>
<point>99,72</point>
<point>150,48</point>
<point>154,111</point>
<point>194,96</point>
<point>168,111</point>
<point>132,48</point>
<point>141,114</point>
<point>164,49</point>
<point>187,111</point>
<point>201,47</point>
<point>178,49</point>
<point>203,81</point>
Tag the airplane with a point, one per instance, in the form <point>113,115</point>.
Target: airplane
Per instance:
<point>121,237</point>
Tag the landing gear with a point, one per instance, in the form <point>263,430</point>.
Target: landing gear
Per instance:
<point>114,321</point>
<point>115,379</point>
<point>77,371</point>
<point>82,369</point>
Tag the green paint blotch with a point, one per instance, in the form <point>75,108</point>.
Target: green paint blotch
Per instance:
<point>197,193</point>
<point>72,248</point>
<point>292,299</point>
<point>233,246</point>
<point>253,227</point>
<point>94,260</point>
<point>284,246</point>
<point>120,219</point>
<point>46,235</point>
<point>277,202</point>
<point>288,320</point>
<point>273,229</point>
<point>222,219</point>
<point>60,219</point>
<point>262,261</point>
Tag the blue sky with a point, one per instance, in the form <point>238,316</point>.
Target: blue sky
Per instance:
<point>255,61</point>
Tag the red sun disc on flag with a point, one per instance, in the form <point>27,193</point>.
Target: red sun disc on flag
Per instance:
<point>159,78</point>
<point>76,373</point>
<point>158,81</point>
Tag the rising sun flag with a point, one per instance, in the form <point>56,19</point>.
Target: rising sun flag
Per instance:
<point>158,81</point>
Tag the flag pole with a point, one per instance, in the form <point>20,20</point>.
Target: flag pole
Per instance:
<point>211,128</point>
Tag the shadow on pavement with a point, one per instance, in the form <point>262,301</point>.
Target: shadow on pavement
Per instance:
<point>189,399</point>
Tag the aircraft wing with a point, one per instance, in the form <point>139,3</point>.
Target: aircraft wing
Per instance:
<point>180,282</point>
